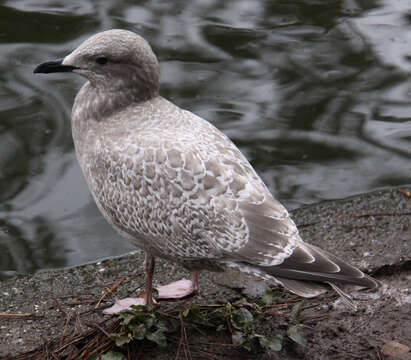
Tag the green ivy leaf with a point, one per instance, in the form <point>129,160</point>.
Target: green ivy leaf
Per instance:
<point>158,337</point>
<point>139,332</point>
<point>161,326</point>
<point>193,311</point>
<point>149,321</point>
<point>273,343</point>
<point>242,319</point>
<point>298,334</point>
<point>127,318</point>
<point>238,338</point>
<point>138,307</point>
<point>112,355</point>
<point>120,339</point>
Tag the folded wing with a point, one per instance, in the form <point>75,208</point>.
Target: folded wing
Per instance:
<point>274,248</point>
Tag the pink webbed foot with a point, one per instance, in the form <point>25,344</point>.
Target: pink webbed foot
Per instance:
<point>125,305</point>
<point>179,289</point>
<point>175,290</point>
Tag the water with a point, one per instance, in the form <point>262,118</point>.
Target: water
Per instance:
<point>315,93</point>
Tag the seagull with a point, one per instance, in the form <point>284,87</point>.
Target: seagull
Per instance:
<point>177,187</point>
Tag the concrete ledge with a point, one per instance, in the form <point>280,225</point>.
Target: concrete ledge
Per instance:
<point>372,231</point>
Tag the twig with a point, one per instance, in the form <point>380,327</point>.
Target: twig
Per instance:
<point>97,326</point>
<point>132,291</point>
<point>79,323</point>
<point>179,347</point>
<point>115,286</point>
<point>82,337</point>
<point>185,344</point>
<point>14,315</point>
<point>72,341</point>
<point>58,306</point>
<point>66,323</point>
<point>182,338</point>
<point>94,351</point>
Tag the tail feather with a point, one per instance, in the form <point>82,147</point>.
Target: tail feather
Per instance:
<point>301,287</point>
<point>310,289</point>
<point>319,269</point>
<point>347,299</point>
<point>308,266</point>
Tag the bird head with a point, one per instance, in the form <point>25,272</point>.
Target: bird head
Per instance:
<point>114,60</point>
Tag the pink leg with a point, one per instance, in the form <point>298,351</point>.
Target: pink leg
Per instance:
<point>196,282</point>
<point>179,289</point>
<point>149,264</point>
<point>125,304</point>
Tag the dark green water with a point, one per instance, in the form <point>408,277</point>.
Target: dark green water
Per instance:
<point>315,93</point>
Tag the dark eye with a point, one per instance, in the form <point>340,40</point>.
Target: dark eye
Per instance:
<point>101,60</point>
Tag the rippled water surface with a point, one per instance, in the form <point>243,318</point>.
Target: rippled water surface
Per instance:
<point>315,93</point>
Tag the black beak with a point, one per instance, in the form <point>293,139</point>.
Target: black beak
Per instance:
<point>53,66</point>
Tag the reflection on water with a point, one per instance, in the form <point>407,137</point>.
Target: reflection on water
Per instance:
<point>316,94</point>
